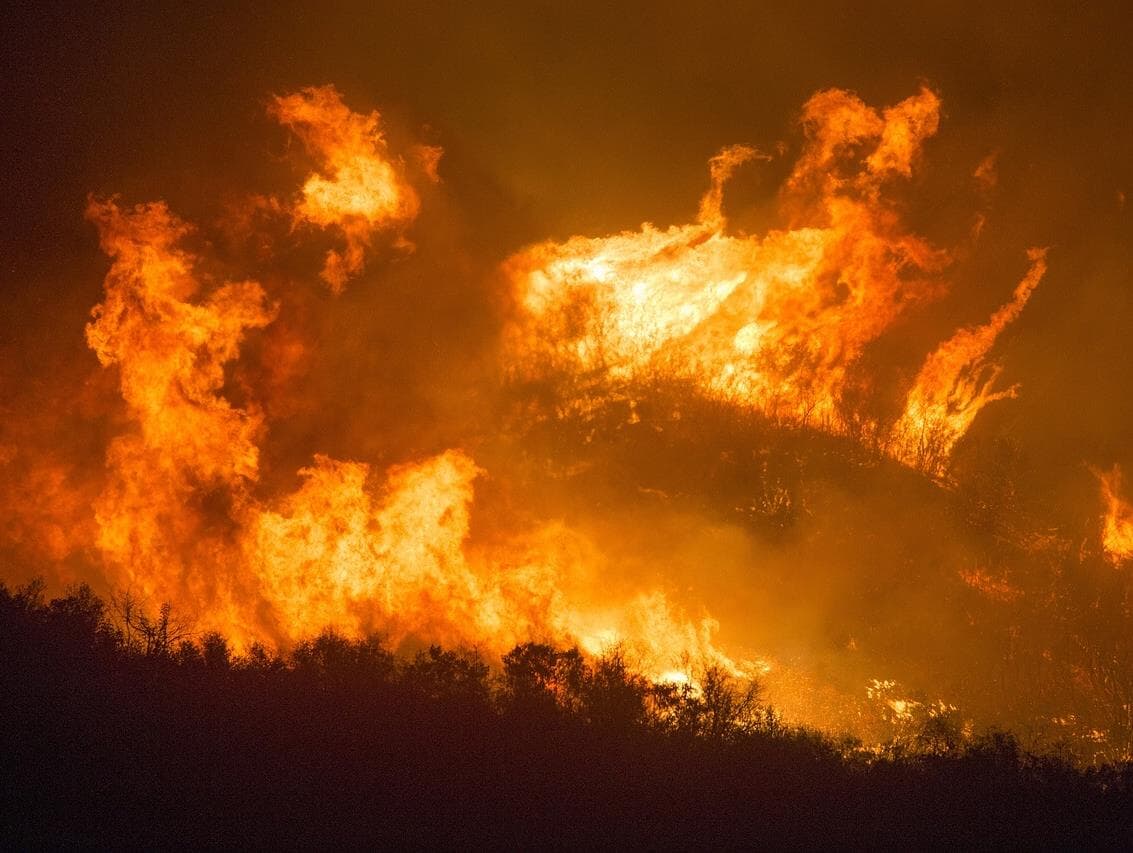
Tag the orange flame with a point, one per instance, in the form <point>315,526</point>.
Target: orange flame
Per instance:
<point>191,447</point>
<point>1117,525</point>
<point>956,382</point>
<point>45,511</point>
<point>171,352</point>
<point>995,588</point>
<point>776,321</point>
<point>772,321</point>
<point>178,517</point>
<point>360,189</point>
<point>333,555</point>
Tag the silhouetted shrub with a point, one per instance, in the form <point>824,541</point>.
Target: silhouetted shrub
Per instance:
<point>141,735</point>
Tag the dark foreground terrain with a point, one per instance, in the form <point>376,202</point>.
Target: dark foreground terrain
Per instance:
<point>125,734</point>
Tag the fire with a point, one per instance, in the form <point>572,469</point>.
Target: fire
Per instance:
<point>179,517</point>
<point>190,451</point>
<point>44,511</point>
<point>774,321</point>
<point>360,189</point>
<point>333,554</point>
<point>1117,526</point>
<point>995,588</point>
<point>171,352</point>
<point>957,381</point>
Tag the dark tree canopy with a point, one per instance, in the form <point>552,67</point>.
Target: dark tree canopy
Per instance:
<point>135,732</point>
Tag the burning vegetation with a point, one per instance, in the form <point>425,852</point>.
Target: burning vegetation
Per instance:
<point>179,518</point>
<point>1117,529</point>
<point>750,357</point>
<point>776,321</point>
<point>341,740</point>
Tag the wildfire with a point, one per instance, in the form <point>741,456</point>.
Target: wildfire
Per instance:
<point>191,455</point>
<point>178,517</point>
<point>774,321</point>
<point>777,321</point>
<point>995,588</point>
<point>1117,526</point>
<point>360,189</point>
<point>957,381</point>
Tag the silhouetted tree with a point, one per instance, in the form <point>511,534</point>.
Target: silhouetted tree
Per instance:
<point>613,696</point>
<point>714,705</point>
<point>730,707</point>
<point>939,734</point>
<point>260,660</point>
<point>441,674</point>
<point>152,635</point>
<point>341,745</point>
<point>215,652</point>
<point>539,679</point>
<point>333,659</point>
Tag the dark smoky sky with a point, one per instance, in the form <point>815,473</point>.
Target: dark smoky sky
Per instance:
<point>571,118</point>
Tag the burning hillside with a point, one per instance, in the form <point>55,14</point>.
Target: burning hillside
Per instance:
<point>558,509</point>
<point>775,321</point>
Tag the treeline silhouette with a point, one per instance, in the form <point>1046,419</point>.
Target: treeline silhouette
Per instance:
<point>130,732</point>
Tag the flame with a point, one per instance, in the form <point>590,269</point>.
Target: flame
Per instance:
<point>45,511</point>
<point>775,321</point>
<point>957,381</point>
<point>332,554</point>
<point>1117,526</point>
<point>359,188</point>
<point>178,517</point>
<point>171,352</point>
<point>191,451</point>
